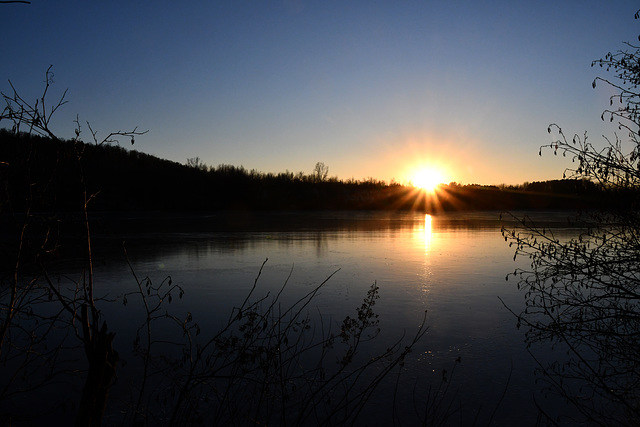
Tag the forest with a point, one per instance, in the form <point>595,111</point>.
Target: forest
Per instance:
<point>119,180</point>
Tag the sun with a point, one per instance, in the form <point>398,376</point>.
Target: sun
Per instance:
<point>428,179</point>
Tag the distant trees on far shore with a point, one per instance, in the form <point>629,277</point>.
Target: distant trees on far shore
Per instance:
<point>128,180</point>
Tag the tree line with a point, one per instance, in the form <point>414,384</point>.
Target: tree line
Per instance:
<point>270,362</point>
<point>128,180</point>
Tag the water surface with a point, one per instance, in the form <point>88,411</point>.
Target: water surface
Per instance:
<point>453,266</point>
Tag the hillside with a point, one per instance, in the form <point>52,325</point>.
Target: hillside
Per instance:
<point>45,175</point>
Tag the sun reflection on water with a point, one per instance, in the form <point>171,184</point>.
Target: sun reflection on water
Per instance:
<point>423,242</point>
<point>427,232</point>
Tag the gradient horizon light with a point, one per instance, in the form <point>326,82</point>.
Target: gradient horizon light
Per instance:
<point>370,89</point>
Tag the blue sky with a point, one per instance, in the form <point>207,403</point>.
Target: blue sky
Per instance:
<point>371,88</point>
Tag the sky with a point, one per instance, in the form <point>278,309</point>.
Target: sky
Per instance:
<point>378,89</point>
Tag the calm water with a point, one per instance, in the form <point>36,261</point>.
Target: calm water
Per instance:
<point>453,266</point>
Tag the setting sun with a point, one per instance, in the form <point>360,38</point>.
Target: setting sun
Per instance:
<point>428,179</point>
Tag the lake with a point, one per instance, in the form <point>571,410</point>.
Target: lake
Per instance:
<point>451,265</point>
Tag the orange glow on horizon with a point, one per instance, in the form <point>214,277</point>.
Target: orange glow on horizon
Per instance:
<point>412,152</point>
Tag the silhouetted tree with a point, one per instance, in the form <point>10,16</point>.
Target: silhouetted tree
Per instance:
<point>25,295</point>
<point>320,172</point>
<point>583,293</point>
<point>196,163</point>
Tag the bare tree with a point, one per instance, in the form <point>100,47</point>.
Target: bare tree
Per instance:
<point>77,307</point>
<point>35,117</point>
<point>583,293</point>
<point>269,364</point>
<point>320,172</point>
<point>197,163</point>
